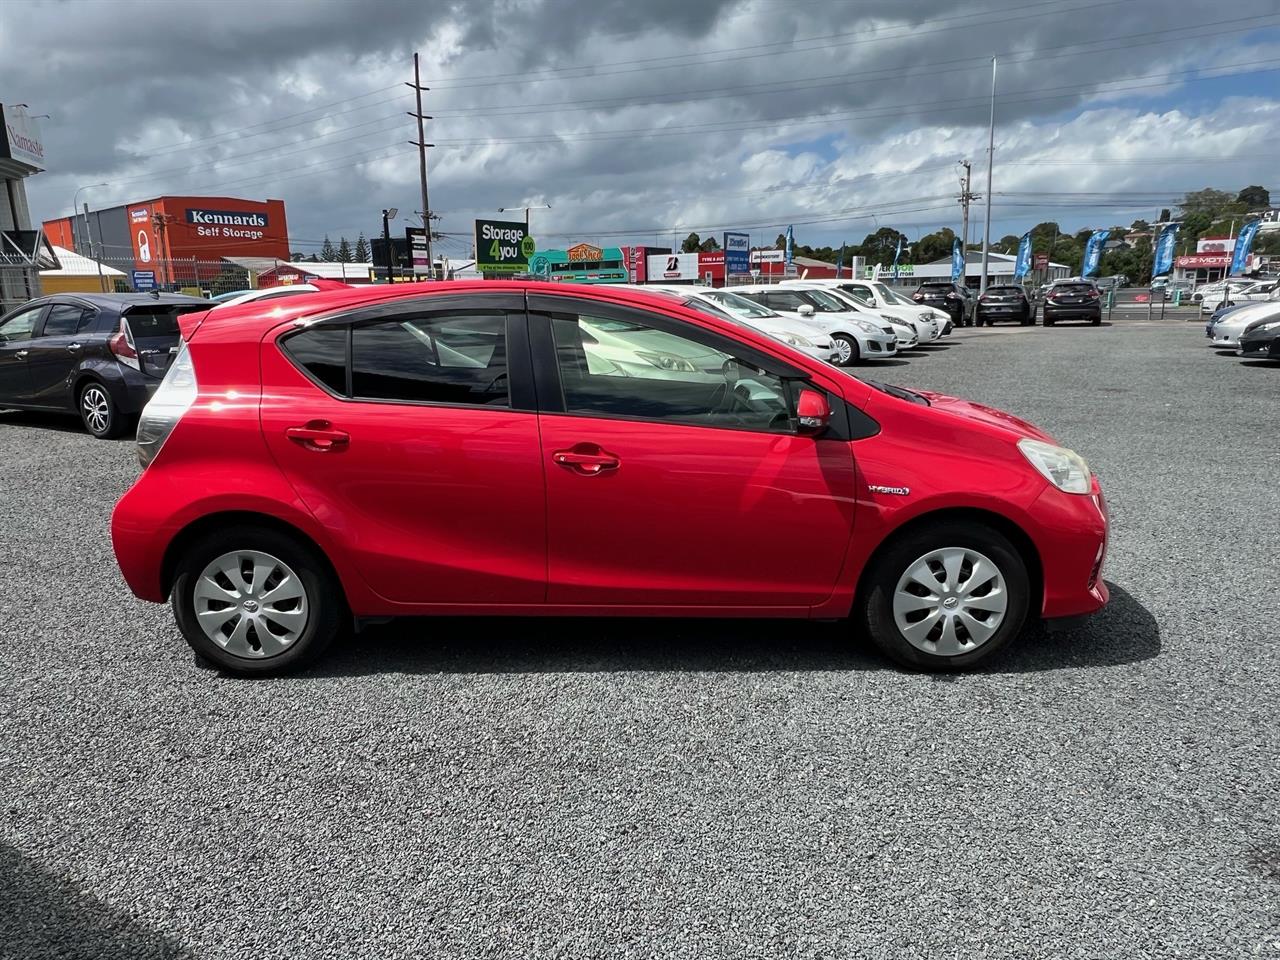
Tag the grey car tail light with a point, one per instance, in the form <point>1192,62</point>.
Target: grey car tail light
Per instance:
<point>173,398</point>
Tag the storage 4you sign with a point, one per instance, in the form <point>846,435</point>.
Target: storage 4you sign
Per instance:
<point>502,246</point>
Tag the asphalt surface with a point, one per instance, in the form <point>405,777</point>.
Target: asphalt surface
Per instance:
<point>586,788</point>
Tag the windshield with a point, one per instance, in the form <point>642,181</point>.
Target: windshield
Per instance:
<point>898,299</point>
<point>882,292</point>
<point>739,305</point>
<point>824,302</point>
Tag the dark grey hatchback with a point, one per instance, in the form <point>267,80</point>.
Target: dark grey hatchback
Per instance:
<point>96,354</point>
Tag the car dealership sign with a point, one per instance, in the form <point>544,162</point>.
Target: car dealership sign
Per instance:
<point>21,142</point>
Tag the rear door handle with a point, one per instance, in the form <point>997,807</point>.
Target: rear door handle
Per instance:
<point>20,355</point>
<point>73,347</point>
<point>587,459</point>
<point>319,435</point>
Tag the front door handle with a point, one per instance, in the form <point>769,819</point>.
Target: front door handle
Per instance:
<point>73,347</point>
<point>586,459</point>
<point>20,355</point>
<point>319,435</point>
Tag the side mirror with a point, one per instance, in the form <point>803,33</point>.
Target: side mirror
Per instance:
<point>805,310</point>
<point>813,414</point>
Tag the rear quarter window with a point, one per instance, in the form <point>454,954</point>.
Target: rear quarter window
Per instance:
<point>322,353</point>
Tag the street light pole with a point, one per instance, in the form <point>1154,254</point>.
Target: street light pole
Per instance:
<point>75,210</point>
<point>991,161</point>
<point>387,216</point>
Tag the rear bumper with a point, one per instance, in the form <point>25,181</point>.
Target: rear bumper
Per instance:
<point>1072,313</point>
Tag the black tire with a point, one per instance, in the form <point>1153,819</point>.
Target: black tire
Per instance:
<point>1096,321</point>
<point>1048,320</point>
<point>854,353</point>
<point>326,613</point>
<point>891,564</point>
<point>99,413</point>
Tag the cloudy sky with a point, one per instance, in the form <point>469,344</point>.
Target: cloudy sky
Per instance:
<point>643,121</point>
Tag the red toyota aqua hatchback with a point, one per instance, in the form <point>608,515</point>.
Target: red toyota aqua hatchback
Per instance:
<point>539,449</point>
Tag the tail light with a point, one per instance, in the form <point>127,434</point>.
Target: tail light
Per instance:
<point>173,398</point>
<point>1093,294</point>
<point>917,296</point>
<point>121,345</point>
<point>953,296</point>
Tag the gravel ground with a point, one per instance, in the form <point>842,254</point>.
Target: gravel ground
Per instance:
<point>575,789</point>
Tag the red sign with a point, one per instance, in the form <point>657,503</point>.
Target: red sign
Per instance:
<point>1195,260</point>
<point>1042,261</point>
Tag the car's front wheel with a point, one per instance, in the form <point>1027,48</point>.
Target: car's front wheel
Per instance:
<point>99,413</point>
<point>946,596</point>
<point>846,349</point>
<point>256,601</point>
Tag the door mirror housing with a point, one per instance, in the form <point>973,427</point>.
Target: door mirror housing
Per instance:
<point>813,413</point>
<point>805,310</point>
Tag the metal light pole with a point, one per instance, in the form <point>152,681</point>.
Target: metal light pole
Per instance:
<point>75,210</point>
<point>536,206</point>
<point>387,216</point>
<point>991,161</point>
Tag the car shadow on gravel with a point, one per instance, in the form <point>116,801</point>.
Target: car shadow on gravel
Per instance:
<point>65,423</point>
<point>43,915</point>
<point>1124,632</point>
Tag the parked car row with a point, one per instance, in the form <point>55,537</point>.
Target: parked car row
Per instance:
<point>1215,296</point>
<point>1248,329</point>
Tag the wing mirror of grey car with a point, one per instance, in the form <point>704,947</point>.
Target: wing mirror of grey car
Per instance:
<point>813,413</point>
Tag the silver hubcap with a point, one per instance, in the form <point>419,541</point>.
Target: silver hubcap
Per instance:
<point>96,411</point>
<point>250,604</point>
<point>844,350</point>
<point>950,601</point>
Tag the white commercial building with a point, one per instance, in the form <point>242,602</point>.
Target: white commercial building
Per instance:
<point>23,251</point>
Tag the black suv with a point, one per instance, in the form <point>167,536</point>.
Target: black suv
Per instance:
<point>97,354</point>
<point>1073,300</point>
<point>952,298</point>
<point>1005,302</point>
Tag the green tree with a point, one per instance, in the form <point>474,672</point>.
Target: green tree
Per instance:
<point>362,249</point>
<point>709,245</point>
<point>1254,197</point>
<point>781,242</point>
<point>1208,201</point>
<point>344,251</point>
<point>327,252</point>
<point>935,246</point>
<point>879,247</point>
<point>691,243</point>
<point>1008,244</point>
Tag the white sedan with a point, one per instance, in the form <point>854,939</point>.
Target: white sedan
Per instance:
<point>856,335</point>
<point>929,324</point>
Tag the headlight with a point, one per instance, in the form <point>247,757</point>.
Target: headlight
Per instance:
<point>1267,326</point>
<point>866,327</point>
<point>1064,468</point>
<point>889,318</point>
<point>667,362</point>
<point>795,340</point>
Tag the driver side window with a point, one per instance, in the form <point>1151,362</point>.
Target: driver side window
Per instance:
<point>611,367</point>
<point>20,325</point>
<point>862,295</point>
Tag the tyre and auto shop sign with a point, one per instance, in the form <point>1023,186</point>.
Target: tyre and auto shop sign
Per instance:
<point>503,246</point>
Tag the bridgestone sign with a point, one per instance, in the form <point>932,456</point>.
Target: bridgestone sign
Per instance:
<point>502,246</point>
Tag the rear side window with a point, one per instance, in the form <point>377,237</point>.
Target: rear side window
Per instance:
<point>322,352</point>
<point>64,319</point>
<point>441,359</point>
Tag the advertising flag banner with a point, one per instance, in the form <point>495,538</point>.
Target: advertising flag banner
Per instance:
<point>1164,250</point>
<point>1240,258</point>
<point>1024,257</point>
<point>790,251</point>
<point>957,261</point>
<point>1093,251</point>
<point>897,255</point>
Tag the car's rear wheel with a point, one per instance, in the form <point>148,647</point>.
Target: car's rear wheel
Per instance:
<point>1048,320</point>
<point>99,413</point>
<point>256,601</point>
<point>946,597</point>
<point>846,349</point>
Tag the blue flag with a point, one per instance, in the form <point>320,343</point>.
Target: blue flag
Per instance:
<point>840,262</point>
<point>1023,265</point>
<point>1093,251</point>
<point>1164,250</point>
<point>957,261</point>
<point>790,253</point>
<point>1240,258</point>
<point>896,255</point>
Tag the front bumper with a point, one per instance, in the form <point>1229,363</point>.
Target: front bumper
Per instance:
<point>1260,349</point>
<point>1224,341</point>
<point>1072,541</point>
<point>878,346</point>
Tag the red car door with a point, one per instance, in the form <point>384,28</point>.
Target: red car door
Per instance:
<point>674,473</point>
<point>410,432</point>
